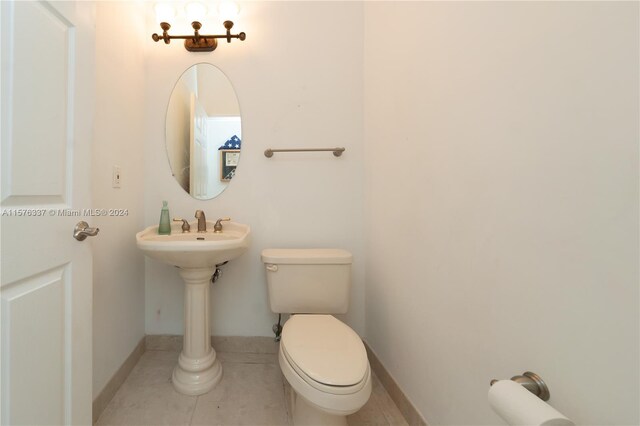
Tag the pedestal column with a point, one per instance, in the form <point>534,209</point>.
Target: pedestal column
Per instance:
<point>198,369</point>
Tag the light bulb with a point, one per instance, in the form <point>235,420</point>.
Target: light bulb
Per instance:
<point>228,10</point>
<point>165,12</point>
<point>195,11</point>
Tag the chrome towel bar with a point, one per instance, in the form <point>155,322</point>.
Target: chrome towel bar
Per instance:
<point>336,151</point>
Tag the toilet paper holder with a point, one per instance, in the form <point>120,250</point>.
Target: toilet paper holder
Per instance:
<point>533,383</point>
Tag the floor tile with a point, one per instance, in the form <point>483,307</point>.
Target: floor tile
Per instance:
<point>248,394</point>
<point>147,396</point>
<point>381,398</point>
<point>379,410</point>
<point>247,358</point>
<point>154,367</point>
<point>236,344</point>
<point>252,392</point>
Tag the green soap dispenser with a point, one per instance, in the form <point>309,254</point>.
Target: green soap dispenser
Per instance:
<point>164,228</point>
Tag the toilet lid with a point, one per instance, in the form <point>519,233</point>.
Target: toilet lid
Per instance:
<point>325,349</point>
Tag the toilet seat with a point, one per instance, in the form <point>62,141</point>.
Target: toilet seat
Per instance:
<point>323,387</point>
<point>325,350</point>
<point>318,350</point>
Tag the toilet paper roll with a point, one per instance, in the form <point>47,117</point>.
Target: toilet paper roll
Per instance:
<point>517,406</point>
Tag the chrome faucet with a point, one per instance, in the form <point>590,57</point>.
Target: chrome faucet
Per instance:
<point>202,221</point>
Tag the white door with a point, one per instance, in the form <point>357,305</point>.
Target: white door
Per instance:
<point>198,177</point>
<point>46,278</point>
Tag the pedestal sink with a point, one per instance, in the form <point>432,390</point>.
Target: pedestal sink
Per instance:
<point>196,254</point>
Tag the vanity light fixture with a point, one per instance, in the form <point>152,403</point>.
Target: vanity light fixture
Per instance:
<point>198,42</point>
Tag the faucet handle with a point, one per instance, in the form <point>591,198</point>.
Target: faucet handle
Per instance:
<point>185,225</point>
<point>217,228</point>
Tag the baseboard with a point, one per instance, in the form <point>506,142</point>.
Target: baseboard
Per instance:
<point>253,344</point>
<point>106,394</point>
<point>406,407</point>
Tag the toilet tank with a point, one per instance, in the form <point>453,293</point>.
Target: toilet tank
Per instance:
<point>310,281</point>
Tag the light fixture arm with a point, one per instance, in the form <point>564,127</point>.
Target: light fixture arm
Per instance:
<point>198,42</point>
<point>165,33</point>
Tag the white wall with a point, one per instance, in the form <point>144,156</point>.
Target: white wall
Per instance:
<point>216,92</point>
<point>299,84</point>
<point>501,144</point>
<point>118,266</point>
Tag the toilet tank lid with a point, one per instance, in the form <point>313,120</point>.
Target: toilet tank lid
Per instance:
<point>306,256</point>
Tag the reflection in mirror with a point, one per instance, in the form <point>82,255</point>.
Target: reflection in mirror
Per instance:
<point>203,130</point>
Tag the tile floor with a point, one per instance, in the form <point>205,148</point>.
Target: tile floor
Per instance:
<point>252,392</point>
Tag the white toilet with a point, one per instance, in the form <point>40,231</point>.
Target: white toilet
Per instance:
<point>323,360</point>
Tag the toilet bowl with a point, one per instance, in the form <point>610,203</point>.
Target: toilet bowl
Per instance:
<point>322,358</point>
<point>326,365</point>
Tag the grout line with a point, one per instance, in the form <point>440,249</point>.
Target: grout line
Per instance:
<point>193,412</point>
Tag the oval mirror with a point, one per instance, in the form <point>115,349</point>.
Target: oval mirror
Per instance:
<point>203,131</point>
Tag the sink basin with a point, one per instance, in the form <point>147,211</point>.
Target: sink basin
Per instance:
<point>196,254</point>
<point>195,249</point>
